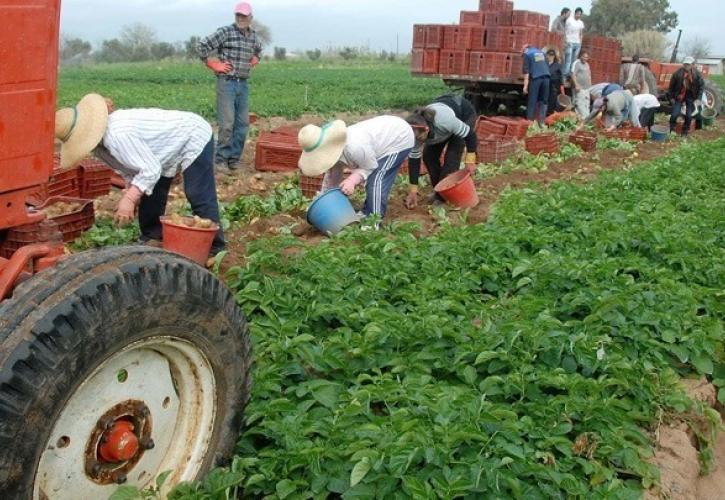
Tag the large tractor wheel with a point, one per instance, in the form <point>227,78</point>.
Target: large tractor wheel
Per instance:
<point>116,366</point>
<point>713,96</point>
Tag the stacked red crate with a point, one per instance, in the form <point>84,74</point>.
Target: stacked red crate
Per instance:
<point>434,36</point>
<point>419,31</point>
<point>485,127</point>
<point>489,63</point>
<point>495,5</point>
<point>473,17</point>
<point>461,37</point>
<point>454,62</point>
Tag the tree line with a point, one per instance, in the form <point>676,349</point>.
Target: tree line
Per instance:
<point>641,26</point>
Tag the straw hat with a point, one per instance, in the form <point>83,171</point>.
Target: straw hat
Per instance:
<point>80,129</point>
<point>321,147</point>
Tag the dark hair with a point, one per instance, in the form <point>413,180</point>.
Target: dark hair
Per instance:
<point>635,58</point>
<point>582,52</point>
<point>565,10</point>
<point>421,116</point>
<point>579,10</point>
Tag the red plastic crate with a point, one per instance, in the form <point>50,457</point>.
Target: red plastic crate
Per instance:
<point>95,178</point>
<point>473,17</point>
<point>495,149</point>
<point>495,5</point>
<point>276,156</point>
<point>585,140</point>
<point>461,37</point>
<point>434,36</point>
<point>515,127</point>
<point>310,186</point>
<point>70,225</point>
<point>542,143</point>
<point>419,31</point>
<point>64,183</point>
<point>524,18</point>
<point>425,61</point>
<point>504,19</point>
<point>489,63</point>
<point>544,21</point>
<point>497,39</point>
<point>486,128</point>
<point>431,61</point>
<point>453,62</point>
<point>416,60</point>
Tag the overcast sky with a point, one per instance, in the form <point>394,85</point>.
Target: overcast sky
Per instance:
<point>308,24</point>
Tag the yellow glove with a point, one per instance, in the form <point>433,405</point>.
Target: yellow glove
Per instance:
<point>470,158</point>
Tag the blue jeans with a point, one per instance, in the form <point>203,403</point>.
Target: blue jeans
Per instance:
<point>571,52</point>
<point>381,181</point>
<point>232,111</point>
<point>200,190</point>
<point>538,95</point>
<point>689,104</point>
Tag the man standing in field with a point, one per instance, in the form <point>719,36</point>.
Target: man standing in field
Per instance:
<point>231,52</point>
<point>573,34</point>
<point>686,86</point>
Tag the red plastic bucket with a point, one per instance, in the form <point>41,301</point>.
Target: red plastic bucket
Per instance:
<point>458,189</point>
<point>192,242</point>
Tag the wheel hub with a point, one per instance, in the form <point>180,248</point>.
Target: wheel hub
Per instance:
<point>118,442</point>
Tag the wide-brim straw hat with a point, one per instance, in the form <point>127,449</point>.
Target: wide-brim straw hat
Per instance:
<point>80,128</point>
<point>321,147</point>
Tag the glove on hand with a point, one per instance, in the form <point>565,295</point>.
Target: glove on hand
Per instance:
<point>219,67</point>
<point>348,185</point>
<point>126,208</point>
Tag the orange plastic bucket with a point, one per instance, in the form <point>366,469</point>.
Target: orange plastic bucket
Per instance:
<point>192,242</point>
<point>458,189</point>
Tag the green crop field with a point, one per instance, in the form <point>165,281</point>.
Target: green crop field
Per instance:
<point>528,357</point>
<point>288,88</point>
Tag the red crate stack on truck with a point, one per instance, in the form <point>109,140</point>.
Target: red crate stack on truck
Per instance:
<point>486,42</point>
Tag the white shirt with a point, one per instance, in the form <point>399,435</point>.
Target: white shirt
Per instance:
<point>574,30</point>
<point>154,143</point>
<point>645,101</point>
<point>370,140</point>
<point>367,142</point>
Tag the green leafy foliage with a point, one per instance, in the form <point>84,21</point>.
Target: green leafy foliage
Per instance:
<point>278,88</point>
<point>566,125</point>
<point>518,359</point>
<point>104,233</point>
<point>615,144</point>
<point>286,197</point>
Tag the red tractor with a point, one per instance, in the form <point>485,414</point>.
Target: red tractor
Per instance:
<point>116,365</point>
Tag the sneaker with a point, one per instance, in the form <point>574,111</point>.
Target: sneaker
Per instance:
<point>222,168</point>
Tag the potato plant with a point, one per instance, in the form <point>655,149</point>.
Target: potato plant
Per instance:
<point>529,357</point>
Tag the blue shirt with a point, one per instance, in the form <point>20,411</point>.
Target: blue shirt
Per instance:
<point>535,64</point>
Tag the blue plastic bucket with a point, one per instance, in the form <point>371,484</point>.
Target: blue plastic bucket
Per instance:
<point>330,212</point>
<point>660,133</point>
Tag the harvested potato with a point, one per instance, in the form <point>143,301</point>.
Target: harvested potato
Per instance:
<point>193,222</point>
<point>61,208</point>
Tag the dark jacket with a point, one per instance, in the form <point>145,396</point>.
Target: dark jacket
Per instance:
<point>676,82</point>
<point>555,71</point>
